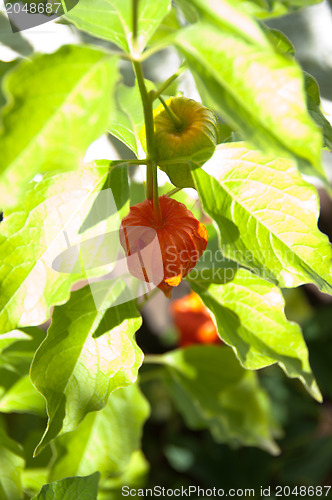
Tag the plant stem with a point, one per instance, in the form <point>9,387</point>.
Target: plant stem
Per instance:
<point>117,163</point>
<point>156,205</point>
<point>156,93</point>
<point>173,191</point>
<point>151,163</point>
<point>147,297</point>
<point>63,3</point>
<point>154,359</point>
<point>154,49</point>
<point>175,119</point>
<point>135,23</point>
<point>149,127</point>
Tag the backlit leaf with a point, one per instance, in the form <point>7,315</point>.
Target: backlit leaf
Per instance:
<point>76,372</point>
<point>57,106</point>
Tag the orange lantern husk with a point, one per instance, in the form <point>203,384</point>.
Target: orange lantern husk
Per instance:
<point>193,321</point>
<point>162,253</point>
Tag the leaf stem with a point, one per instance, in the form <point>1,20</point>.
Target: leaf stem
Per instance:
<point>156,93</point>
<point>147,297</point>
<point>117,163</point>
<point>175,119</point>
<point>63,3</point>
<point>156,359</point>
<point>135,23</point>
<point>155,48</point>
<point>149,127</point>
<point>151,164</point>
<point>173,191</point>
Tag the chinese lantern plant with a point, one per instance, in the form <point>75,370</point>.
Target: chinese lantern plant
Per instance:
<point>249,230</point>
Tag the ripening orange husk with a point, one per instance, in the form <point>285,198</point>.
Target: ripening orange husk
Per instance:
<point>162,253</point>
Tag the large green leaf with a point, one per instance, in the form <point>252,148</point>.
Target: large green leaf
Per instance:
<point>249,312</point>
<point>266,216</point>
<point>76,372</point>
<point>258,8</point>
<point>258,90</point>
<point>169,25</point>
<point>106,439</point>
<point>112,20</point>
<point>271,8</point>
<point>11,466</point>
<point>57,105</point>
<point>212,390</point>
<point>33,234</point>
<point>226,15</point>
<point>313,101</point>
<point>17,394</point>
<point>71,488</point>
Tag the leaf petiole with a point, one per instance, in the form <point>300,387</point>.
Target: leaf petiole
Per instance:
<point>156,93</point>
<point>175,119</point>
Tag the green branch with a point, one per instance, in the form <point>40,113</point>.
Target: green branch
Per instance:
<point>156,93</point>
<point>151,163</point>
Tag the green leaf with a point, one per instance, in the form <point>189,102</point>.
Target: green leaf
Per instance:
<point>280,41</point>
<point>213,391</point>
<point>34,478</point>
<point>313,101</point>
<point>179,170</point>
<point>226,15</point>
<point>112,20</point>
<point>17,393</point>
<point>213,266</point>
<point>76,372</point>
<point>258,8</point>
<point>106,439</point>
<point>57,105</point>
<point>71,488</point>
<point>271,8</point>
<point>22,397</point>
<point>169,25</point>
<point>258,90</point>
<point>121,127</point>
<point>134,476</point>
<point>4,68</point>
<point>11,466</point>
<point>112,202</point>
<point>33,234</point>
<point>249,313</point>
<point>10,338</point>
<point>128,119</point>
<point>14,41</point>
<point>266,216</point>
